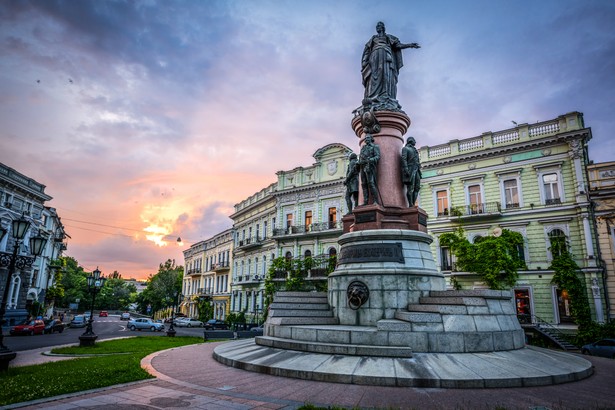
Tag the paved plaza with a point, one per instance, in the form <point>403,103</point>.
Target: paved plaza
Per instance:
<point>188,378</point>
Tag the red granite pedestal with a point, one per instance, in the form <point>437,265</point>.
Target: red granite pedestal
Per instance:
<point>393,212</point>
<point>378,217</point>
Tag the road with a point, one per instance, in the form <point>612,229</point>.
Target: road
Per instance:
<point>105,327</point>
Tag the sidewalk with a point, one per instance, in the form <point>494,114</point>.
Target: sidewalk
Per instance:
<point>188,377</point>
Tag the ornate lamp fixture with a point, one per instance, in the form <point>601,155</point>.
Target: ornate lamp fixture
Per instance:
<point>19,228</point>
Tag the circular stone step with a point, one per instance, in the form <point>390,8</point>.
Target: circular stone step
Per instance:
<point>530,366</point>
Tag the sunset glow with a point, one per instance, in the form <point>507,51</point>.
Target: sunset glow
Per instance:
<point>150,120</point>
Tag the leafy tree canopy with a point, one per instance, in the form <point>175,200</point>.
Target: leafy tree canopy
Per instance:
<point>162,288</point>
<point>494,258</point>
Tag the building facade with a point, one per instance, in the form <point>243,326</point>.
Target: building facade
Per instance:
<point>530,179</point>
<point>23,196</point>
<point>310,205</point>
<point>298,216</point>
<point>254,221</point>
<point>207,275</point>
<point>602,193</point>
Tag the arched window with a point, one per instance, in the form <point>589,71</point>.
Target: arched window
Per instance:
<point>558,242</point>
<point>307,254</point>
<point>14,292</point>
<point>289,255</point>
<point>264,265</point>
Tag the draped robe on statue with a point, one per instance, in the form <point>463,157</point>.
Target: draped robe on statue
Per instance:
<point>382,59</point>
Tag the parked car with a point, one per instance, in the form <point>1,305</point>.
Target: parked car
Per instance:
<point>602,348</point>
<point>144,323</point>
<point>188,322</point>
<point>214,324</point>
<point>53,325</point>
<point>258,328</point>
<point>79,321</point>
<point>103,313</point>
<point>29,327</point>
<point>125,316</point>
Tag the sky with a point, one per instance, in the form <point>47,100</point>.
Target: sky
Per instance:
<point>149,120</point>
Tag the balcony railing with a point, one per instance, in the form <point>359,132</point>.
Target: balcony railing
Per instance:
<point>490,208</point>
<point>250,242</point>
<point>221,266</point>
<point>553,201</point>
<point>205,291</point>
<point>311,228</point>
<point>193,271</point>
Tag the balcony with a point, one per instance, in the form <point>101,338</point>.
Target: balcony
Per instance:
<point>219,267</point>
<point>193,272</point>
<point>205,291</point>
<point>315,229</point>
<point>249,243</point>
<point>475,210</point>
<point>553,201</point>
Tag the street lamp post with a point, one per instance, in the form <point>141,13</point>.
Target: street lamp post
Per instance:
<point>19,229</point>
<point>95,284</point>
<point>171,332</point>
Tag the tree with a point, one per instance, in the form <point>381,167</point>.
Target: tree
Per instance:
<point>116,294</point>
<point>494,258</point>
<point>566,276</point>
<point>205,308</point>
<point>162,288</point>
<point>73,282</point>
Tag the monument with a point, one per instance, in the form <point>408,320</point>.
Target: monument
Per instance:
<point>387,318</point>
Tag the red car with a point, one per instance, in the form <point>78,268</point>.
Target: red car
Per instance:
<point>103,313</point>
<point>29,327</point>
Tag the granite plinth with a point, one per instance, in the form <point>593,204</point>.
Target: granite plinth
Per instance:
<point>529,366</point>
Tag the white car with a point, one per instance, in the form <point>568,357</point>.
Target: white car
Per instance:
<point>145,323</point>
<point>188,322</point>
<point>125,316</point>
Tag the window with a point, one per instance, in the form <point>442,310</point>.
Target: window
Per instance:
<point>445,258</point>
<point>475,199</point>
<point>442,202</point>
<point>14,292</point>
<point>332,217</point>
<point>308,218</point>
<point>288,255</point>
<point>307,254</point>
<point>264,265</point>
<point>289,220</point>
<point>511,194</point>
<point>550,185</point>
<point>34,278</point>
<point>265,230</point>
<point>523,305</point>
<point>558,242</point>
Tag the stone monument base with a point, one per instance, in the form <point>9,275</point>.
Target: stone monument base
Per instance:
<point>527,367</point>
<point>375,216</point>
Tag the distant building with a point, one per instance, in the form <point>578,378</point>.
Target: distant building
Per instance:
<point>602,193</point>
<point>23,196</point>
<point>207,275</point>
<point>530,179</point>
<point>254,221</point>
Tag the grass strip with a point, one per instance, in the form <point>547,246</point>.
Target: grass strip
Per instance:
<point>27,383</point>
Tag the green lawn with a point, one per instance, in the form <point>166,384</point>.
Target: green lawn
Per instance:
<point>52,379</point>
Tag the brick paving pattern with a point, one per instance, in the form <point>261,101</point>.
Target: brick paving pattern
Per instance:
<point>189,378</point>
